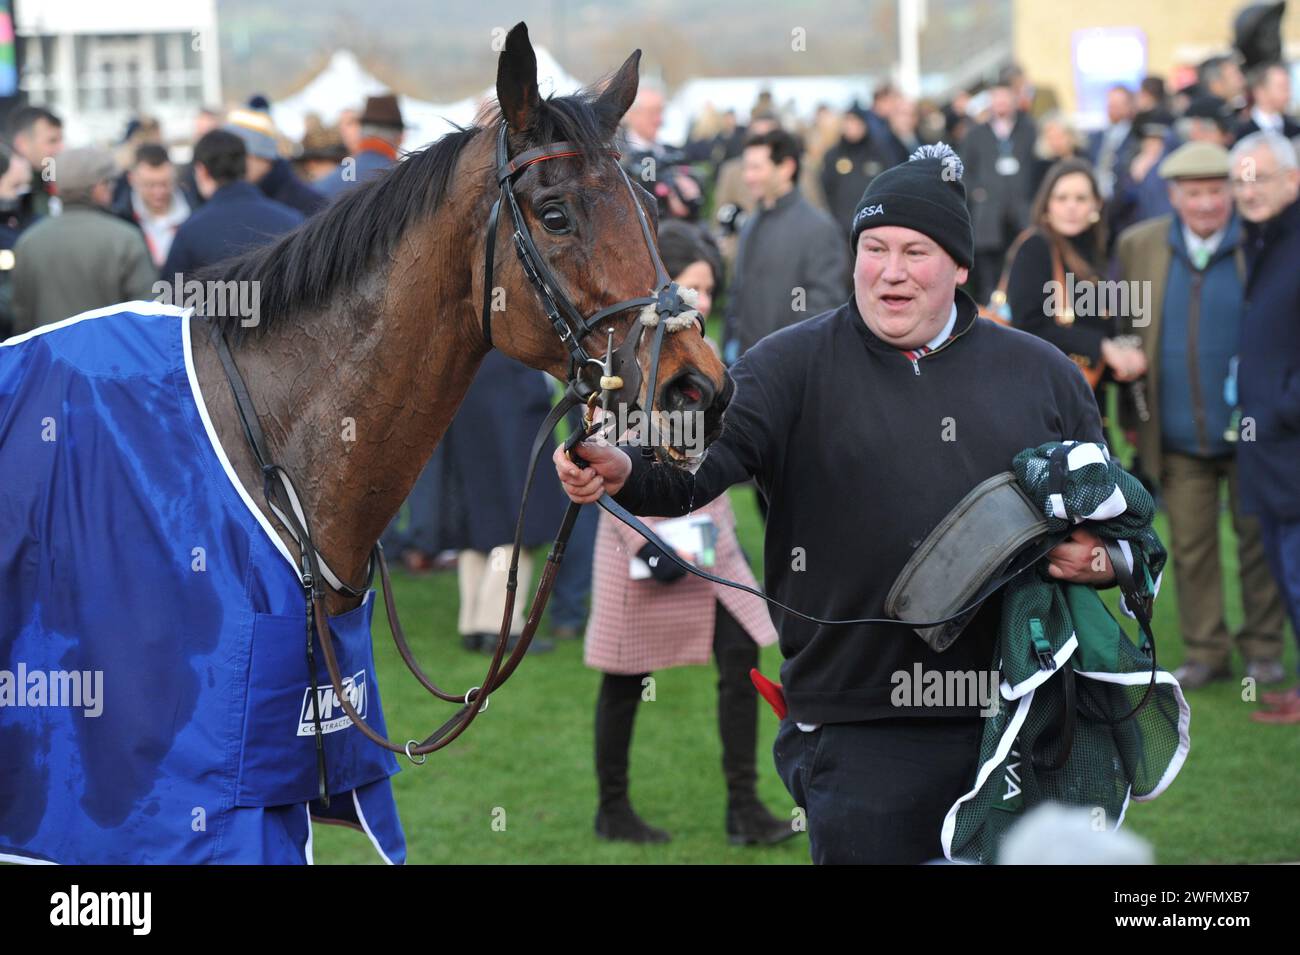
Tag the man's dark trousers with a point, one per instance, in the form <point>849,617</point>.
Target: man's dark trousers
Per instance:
<point>1282,545</point>
<point>877,791</point>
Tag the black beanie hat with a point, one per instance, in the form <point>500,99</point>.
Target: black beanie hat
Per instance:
<point>926,194</point>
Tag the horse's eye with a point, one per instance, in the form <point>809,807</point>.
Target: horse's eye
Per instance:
<point>555,220</point>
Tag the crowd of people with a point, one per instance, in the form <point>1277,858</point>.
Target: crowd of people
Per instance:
<point>1153,254</point>
<point>89,226</point>
<point>1182,197</point>
<point>1186,199</point>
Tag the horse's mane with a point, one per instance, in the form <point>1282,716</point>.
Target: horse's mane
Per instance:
<point>339,245</point>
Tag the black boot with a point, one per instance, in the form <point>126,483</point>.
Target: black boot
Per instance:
<point>615,715</point>
<point>748,821</point>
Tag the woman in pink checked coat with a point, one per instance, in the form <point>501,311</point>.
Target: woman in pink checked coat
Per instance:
<point>673,619</point>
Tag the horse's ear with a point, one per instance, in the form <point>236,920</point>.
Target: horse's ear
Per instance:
<point>517,79</point>
<point>620,92</point>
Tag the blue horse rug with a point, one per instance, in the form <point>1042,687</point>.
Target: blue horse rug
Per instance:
<point>154,694</point>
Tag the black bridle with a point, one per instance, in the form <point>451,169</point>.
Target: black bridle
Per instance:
<point>619,375</point>
<point>620,372</point>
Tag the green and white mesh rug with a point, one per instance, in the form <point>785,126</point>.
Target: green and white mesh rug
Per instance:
<point>1110,759</point>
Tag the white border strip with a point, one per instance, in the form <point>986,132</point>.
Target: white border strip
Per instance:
<point>307,849</point>
<point>361,817</point>
<point>993,762</point>
<point>23,860</point>
<point>138,307</point>
<point>1184,721</point>
<point>221,452</point>
<point>1010,692</point>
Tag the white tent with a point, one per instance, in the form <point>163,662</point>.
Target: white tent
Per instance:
<point>344,83</point>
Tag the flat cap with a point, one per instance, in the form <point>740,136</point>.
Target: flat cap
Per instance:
<point>1195,160</point>
<point>77,171</point>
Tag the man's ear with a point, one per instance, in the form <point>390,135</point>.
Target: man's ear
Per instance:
<point>963,275</point>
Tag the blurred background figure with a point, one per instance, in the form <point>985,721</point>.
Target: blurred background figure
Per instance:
<point>83,258</point>
<point>792,260</point>
<point>321,152</point>
<point>205,121</point>
<point>999,159</point>
<point>1207,119</point>
<point>235,215</point>
<point>733,200</point>
<point>849,166</point>
<point>1194,262</point>
<point>1221,76</point>
<point>1270,103</point>
<point>1151,94</point>
<point>266,168</point>
<point>1066,244</point>
<point>1266,184</point>
<point>153,201</point>
<point>1057,140</point>
<point>1140,193</point>
<point>36,134</point>
<point>479,472</point>
<point>15,215</point>
<point>140,130</point>
<point>381,131</point>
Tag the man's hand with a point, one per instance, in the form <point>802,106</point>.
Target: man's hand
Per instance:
<point>1081,559</point>
<point>608,468</point>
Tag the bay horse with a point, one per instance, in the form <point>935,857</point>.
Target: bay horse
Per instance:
<point>369,332</point>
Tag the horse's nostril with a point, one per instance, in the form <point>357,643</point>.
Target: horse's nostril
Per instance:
<point>689,391</point>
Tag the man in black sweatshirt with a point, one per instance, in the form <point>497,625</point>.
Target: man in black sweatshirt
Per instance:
<point>863,427</point>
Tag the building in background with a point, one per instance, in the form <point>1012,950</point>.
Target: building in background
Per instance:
<point>1077,47</point>
<point>97,64</point>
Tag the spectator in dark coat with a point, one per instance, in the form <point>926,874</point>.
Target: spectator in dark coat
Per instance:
<point>791,262</point>
<point>36,134</point>
<point>478,477</point>
<point>1268,370</point>
<point>1067,245</point>
<point>266,168</point>
<point>1270,96</point>
<point>849,166</point>
<point>235,217</point>
<point>15,215</point>
<point>1140,193</point>
<point>884,101</point>
<point>1110,149</point>
<point>999,159</point>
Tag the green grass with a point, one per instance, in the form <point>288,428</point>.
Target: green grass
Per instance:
<point>527,762</point>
